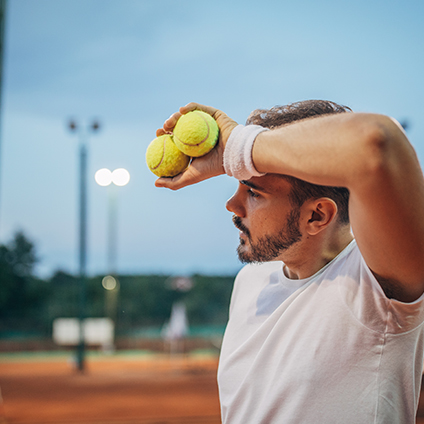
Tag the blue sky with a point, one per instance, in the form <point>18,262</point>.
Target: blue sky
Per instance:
<point>131,63</point>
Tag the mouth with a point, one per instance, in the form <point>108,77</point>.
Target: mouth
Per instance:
<point>244,231</point>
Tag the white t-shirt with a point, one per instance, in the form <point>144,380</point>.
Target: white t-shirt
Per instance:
<point>331,348</point>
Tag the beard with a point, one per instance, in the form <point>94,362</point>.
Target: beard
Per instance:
<point>268,248</point>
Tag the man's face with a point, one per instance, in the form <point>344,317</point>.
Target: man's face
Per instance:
<point>268,223</point>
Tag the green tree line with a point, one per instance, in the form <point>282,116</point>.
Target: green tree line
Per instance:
<point>28,305</point>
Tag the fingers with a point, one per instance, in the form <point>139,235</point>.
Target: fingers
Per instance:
<point>170,123</point>
<point>177,182</point>
<point>200,169</point>
<point>171,183</point>
<point>196,106</point>
<point>191,175</point>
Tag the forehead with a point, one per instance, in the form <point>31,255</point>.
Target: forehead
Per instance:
<point>273,184</point>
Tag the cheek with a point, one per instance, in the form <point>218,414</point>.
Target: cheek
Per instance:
<point>270,221</point>
<point>262,224</point>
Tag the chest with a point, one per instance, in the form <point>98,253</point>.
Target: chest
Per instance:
<point>277,339</point>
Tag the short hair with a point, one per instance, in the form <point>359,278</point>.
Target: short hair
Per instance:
<point>302,190</point>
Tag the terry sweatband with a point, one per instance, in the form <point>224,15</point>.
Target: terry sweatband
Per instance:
<point>238,152</point>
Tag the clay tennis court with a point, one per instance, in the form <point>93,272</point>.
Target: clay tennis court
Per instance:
<point>115,390</point>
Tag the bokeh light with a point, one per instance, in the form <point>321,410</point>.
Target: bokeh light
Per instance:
<point>120,177</point>
<point>103,177</point>
<point>109,282</point>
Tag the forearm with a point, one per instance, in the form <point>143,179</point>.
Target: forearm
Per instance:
<point>335,150</point>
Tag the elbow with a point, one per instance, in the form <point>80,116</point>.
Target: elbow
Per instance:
<point>384,141</point>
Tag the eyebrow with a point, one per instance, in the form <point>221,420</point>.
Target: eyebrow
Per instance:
<point>254,186</point>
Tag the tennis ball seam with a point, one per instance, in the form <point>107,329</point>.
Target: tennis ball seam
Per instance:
<point>207,135</point>
<point>163,155</point>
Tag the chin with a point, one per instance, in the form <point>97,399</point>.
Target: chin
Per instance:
<point>246,257</point>
<point>243,254</point>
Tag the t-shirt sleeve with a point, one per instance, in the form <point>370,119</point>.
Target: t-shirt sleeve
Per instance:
<point>367,301</point>
<point>401,316</point>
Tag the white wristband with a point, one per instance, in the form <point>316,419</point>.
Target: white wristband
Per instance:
<point>238,152</point>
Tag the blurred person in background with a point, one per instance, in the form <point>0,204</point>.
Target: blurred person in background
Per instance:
<point>326,319</point>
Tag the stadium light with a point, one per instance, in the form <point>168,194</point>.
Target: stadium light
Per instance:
<point>120,177</point>
<point>105,177</point>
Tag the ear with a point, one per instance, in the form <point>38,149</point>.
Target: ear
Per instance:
<point>321,213</point>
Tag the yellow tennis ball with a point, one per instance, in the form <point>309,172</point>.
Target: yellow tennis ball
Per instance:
<point>163,157</point>
<point>196,133</point>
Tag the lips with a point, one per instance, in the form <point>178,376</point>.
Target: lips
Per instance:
<point>239,225</point>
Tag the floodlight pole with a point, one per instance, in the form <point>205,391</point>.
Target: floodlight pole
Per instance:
<point>83,153</point>
<point>112,228</point>
<point>82,251</point>
<point>111,295</point>
<point>112,184</point>
<point>3,4</point>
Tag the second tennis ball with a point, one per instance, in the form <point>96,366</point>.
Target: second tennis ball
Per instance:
<point>196,133</point>
<point>164,159</point>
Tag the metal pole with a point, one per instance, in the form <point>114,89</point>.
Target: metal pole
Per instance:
<point>2,26</point>
<point>82,252</point>
<point>112,248</point>
<point>83,153</point>
<point>2,31</point>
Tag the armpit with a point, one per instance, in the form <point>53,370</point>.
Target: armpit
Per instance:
<point>393,289</point>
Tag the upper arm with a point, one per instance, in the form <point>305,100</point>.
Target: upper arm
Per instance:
<point>386,213</point>
<point>371,156</point>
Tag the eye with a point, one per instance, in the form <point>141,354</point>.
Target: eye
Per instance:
<point>252,193</point>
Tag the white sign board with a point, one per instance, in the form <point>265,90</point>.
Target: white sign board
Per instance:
<point>97,331</point>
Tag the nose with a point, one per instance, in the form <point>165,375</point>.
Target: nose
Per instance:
<point>235,205</point>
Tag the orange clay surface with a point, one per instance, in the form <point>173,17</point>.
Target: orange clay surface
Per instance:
<point>116,389</point>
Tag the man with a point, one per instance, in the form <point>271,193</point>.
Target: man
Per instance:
<point>329,329</point>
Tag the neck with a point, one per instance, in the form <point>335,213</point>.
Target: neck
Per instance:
<point>313,253</point>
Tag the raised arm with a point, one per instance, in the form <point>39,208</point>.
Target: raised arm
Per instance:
<point>367,153</point>
<point>371,156</point>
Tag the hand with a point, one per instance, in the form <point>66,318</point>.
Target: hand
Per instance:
<point>204,167</point>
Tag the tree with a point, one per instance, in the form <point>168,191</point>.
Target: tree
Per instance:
<point>17,261</point>
<point>22,255</point>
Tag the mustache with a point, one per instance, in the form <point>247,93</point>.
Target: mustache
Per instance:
<point>238,224</point>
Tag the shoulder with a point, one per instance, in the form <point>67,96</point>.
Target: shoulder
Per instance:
<point>367,300</point>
